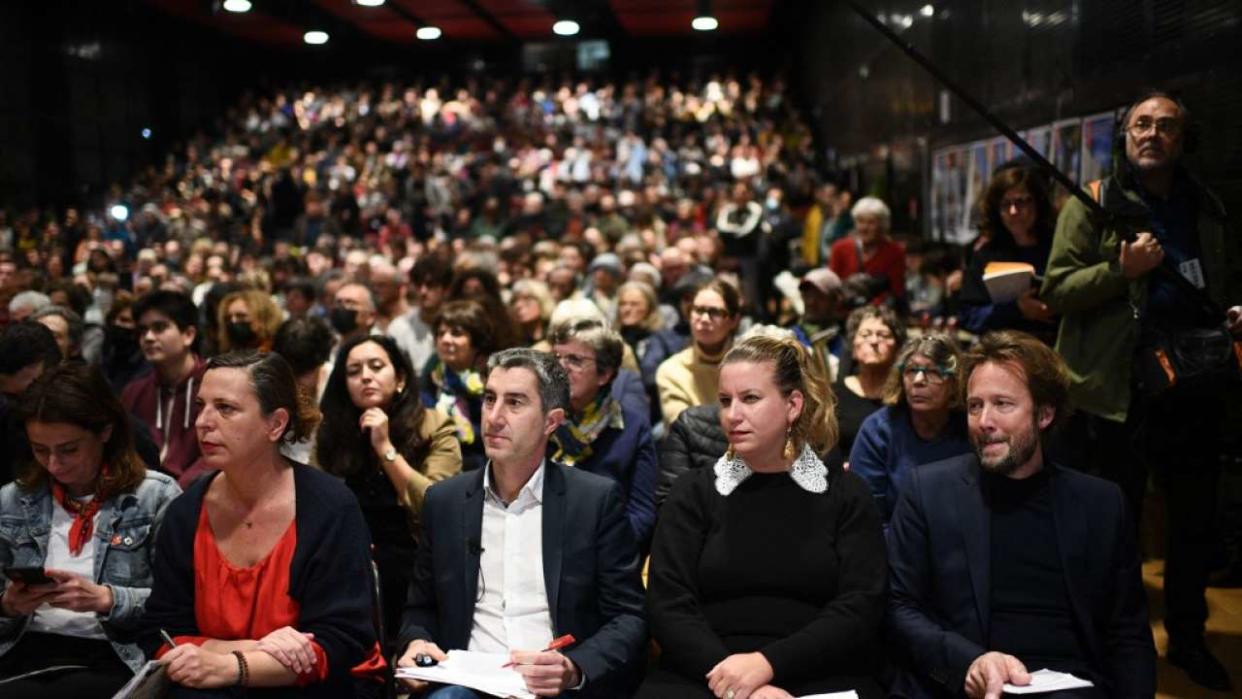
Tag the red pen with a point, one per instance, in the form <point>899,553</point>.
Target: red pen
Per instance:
<point>556,644</point>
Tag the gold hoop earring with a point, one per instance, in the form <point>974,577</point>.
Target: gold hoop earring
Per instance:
<point>789,445</point>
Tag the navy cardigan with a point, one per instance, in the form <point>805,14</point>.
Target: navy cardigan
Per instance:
<point>329,577</point>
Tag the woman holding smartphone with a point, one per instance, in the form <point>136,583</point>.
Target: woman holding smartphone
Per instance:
<point>84,511</point>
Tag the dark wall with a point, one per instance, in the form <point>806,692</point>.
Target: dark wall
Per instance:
<point>1031,62</point>
<point>82,81</point>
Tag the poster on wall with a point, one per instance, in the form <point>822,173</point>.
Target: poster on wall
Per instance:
<point>1001,151</point>
<point>979,171</point>
<point>949,184</point>
<point>1067,147</point>
<point>937,210</point>
<point>1098,133</point>
<point>1040,139</point>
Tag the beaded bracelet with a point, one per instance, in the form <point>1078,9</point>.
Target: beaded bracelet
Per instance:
<point>243,669</point>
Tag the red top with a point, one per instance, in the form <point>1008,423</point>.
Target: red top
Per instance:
<point>889,260</point>
<point>233,604</point>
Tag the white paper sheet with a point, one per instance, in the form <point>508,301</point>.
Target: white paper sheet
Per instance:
<point>831,695</point>
<point>480,671</point>
<point>1048,681</point>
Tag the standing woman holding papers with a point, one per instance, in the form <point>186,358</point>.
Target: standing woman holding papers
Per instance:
<point>83,511</point>
<point>768,571</point>
<point>1017,222</point>
<point>262,574</point>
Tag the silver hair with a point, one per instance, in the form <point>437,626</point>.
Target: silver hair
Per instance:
<point>873,206</point>
<point>549,374</point>
<point>34,300</point>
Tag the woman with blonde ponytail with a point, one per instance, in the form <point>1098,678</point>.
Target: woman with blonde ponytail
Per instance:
<point>768,571</point>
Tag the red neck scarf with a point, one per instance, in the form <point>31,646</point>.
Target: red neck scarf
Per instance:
<point>83,514</point>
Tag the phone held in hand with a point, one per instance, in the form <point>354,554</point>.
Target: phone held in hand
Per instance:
<point>29,575</point>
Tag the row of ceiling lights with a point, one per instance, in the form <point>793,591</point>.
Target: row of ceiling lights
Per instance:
<point>704,22</point>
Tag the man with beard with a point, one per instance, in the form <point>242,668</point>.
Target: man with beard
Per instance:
<point>1003,563</point>
<point>1122,315</point>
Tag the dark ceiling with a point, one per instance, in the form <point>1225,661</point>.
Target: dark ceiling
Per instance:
<point>283,22</point>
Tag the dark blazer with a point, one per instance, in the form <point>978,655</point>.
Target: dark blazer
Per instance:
<point>939,569</point>
<point>590,566</point>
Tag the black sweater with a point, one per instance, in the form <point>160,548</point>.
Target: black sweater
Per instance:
<point>798,576</point>
<point>330,576</point>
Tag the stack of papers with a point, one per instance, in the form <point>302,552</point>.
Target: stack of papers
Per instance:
<point>478,671</point>
<point>1048,681</point>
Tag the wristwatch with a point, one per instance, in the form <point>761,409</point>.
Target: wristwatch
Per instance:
<point>391,454</point>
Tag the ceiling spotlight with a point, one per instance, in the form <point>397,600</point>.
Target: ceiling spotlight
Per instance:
<point>315,38</point>
<point>565,27</point>
<point>369,3</point>
<point>927,11</point>
<point>238,6</point>
<point>428,33</point>
<point>704,24</point>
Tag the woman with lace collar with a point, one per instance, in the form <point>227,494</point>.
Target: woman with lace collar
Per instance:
<point>767,575</point>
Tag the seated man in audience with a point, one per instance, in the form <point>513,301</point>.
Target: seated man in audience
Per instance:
<point>163,399</point>
<point>414,332</point>
<point>491,536</point>
<point>1049,576</point>
<point>353,311</point>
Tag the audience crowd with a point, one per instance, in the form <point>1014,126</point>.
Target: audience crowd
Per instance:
<point>444,368</point>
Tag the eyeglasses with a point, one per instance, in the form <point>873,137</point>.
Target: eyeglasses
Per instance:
<point>710,311</point>
<point>933,374</point>
<point>1165,126</point>
<point>575,362</point>
<point>1019,203</point>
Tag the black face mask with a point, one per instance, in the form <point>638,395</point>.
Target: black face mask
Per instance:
<point>344,320</point>
<point>124,341</point>
<point>241,334</point>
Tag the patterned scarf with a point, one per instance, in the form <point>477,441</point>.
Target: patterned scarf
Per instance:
<point>83,514</point>
<point>456,390</point>
<point>573,438</point>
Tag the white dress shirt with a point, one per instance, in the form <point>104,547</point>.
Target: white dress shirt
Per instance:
<point>512,610</point>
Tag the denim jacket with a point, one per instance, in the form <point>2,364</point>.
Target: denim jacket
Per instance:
<point>125,530</point>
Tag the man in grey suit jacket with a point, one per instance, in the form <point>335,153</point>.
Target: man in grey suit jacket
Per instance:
<point>525,550</point>
<point>1002,563</point>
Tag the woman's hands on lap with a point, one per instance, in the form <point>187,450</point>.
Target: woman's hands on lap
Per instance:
<point>191,666</point>
<point>291,648</point>
<point>741,673</point>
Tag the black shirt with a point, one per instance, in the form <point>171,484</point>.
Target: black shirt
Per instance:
<point>1031,615</point>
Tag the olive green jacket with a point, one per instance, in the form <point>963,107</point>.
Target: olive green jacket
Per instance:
<point>1101,310</point>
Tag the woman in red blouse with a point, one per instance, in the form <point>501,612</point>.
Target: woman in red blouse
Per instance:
<point>262,572</point>
<point>872,264</point>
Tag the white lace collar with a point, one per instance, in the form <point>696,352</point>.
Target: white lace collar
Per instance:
<point>807,471</point>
